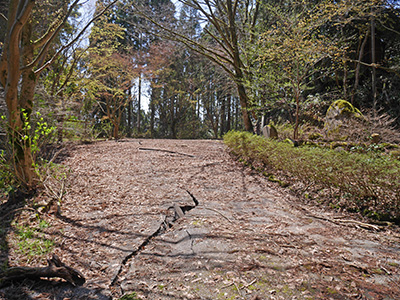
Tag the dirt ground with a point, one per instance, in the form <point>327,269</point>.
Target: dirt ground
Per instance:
<point>241,237</point>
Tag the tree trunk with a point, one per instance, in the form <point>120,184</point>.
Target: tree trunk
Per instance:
<point>243,103</point>
<point>237,65</point>
<point>357,74</point>
<point>296,127</point>
<point>139,101</point>
<point>20,106</point>
<point>129,107</point>
<point>228,122</point>
<point>373,61</point>
<point>223,118</point>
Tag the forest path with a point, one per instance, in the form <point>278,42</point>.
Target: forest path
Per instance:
<point>247,238</point>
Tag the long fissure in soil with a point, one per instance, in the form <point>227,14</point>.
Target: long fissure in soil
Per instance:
<point>178,211</point>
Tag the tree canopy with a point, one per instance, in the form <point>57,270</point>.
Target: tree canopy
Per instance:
<point>202,67</point>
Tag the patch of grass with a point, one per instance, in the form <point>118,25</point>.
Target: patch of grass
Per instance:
<point>362,182</point>
<point>31,242</point>
<point>131,296</point>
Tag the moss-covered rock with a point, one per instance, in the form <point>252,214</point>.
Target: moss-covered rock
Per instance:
<point>270,132</point>
<point>338,113</point>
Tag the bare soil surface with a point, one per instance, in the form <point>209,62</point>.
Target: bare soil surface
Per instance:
<point>192,223</point>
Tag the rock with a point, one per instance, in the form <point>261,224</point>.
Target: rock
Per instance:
<point>270,132</point>
<point>375,138</point>
<point>338,113</point>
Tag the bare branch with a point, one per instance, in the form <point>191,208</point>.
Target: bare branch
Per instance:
<point>4,17</point>
<point>38,71</point>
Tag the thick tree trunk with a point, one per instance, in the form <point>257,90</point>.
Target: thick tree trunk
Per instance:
<point>243,103</point>
<point>19,49</point>
<point>238,65</point>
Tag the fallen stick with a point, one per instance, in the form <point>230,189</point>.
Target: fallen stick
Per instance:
<point>342,222</point>
<point>167,151</point>
<point>214,210</point>
<point>55,269</point>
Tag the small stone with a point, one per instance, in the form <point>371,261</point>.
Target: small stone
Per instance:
<point>375,138</point>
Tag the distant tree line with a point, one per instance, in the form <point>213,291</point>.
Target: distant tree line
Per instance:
<point>210,65</point>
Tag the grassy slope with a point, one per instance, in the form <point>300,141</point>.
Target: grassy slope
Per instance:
<point>366,183</point>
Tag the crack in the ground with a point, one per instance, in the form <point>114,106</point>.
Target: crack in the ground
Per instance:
<point>179,211</point>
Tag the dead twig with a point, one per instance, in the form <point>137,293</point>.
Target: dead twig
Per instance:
<point>167,151</point>
<point>338,221</point>
<point>237,288</point>
<point>19,209</point>
<point>218,212</point>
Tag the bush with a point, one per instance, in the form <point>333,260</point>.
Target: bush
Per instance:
<point>367,183</point>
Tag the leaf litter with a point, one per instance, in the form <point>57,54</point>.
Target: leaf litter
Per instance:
<point>130,223</point>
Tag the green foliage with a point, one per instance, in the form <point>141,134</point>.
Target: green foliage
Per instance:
<point>32,242</point>
<point>36,132</point>
<point>131,296</point>
<point>364,182</point>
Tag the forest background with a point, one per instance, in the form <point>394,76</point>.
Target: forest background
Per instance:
<point>210,66</point>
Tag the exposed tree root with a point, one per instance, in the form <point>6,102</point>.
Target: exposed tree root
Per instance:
<point>55,269</point>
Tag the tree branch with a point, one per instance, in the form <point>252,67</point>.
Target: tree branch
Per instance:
<point>39,70</point>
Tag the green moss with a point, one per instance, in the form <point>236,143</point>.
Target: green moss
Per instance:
<point>377,271</point>
<point>345,107</point>
<point>289,141</point>
<point>314,136</point>
<point>331,291</point>
<point>338,144</point>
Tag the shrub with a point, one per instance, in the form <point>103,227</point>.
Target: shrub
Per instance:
<point>364,182</point>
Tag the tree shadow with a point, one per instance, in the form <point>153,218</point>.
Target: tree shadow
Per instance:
<point>8,211</point>
<point>33,289</point>
<point>50,289</point>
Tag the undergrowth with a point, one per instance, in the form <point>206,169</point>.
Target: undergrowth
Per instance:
<point>362,182</point>
<point>31,242</point>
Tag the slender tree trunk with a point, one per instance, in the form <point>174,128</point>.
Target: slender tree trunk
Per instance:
<point>129,108</point>
<point>228,122</point>
<point>139,101</point>
<point>296,127</point>
<point>357,75</point>
<point>373,60</point>
<point>152,115</point>
<point>223,117</point>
